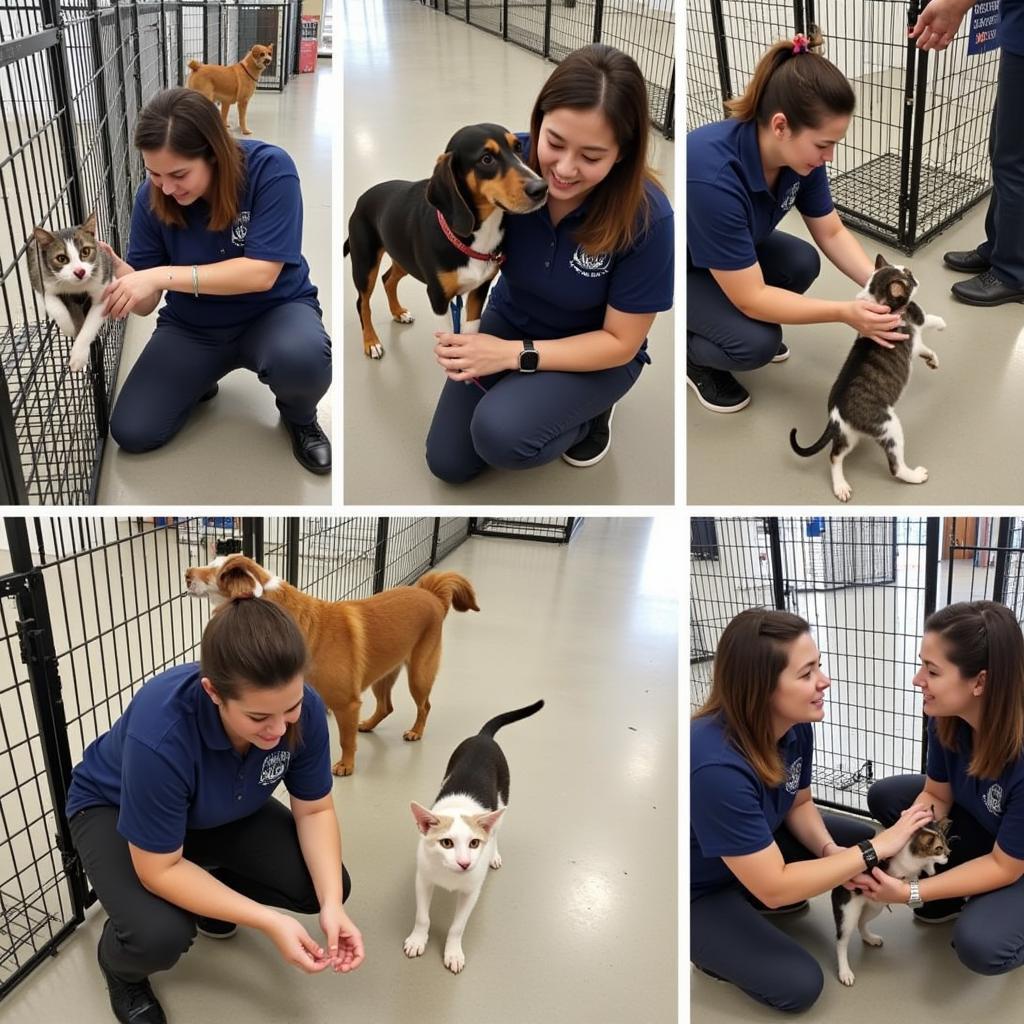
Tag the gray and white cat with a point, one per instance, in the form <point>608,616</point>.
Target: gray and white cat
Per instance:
<point>459,834</point>
<point>928,847</point>
<point>862,402</point>
<point>70,271</point>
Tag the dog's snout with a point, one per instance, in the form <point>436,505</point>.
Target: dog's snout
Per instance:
<point>537,189</point>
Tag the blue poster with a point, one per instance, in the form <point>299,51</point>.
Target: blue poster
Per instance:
<point>984,28</point>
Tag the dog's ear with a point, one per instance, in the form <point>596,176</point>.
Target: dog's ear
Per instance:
<point>235,581</point>
<point>443,192</point>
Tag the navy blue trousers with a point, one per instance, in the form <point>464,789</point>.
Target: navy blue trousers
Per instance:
<point>988,936</point>
<point>1004,222</point>
<point>730,938</point>
<point>718,335</point>
<point>523,419</point>
<point>287,348</point>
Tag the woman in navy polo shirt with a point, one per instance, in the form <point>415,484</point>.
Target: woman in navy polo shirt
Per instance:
<point>563,336</point>
<point>758,844</point>
<point>972,680</point>
<point>218,226</point>
<point>744,278</point>
<point>172,815</point>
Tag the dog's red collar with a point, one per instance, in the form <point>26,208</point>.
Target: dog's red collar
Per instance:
<point>492,257</point>
<point>246,70</point>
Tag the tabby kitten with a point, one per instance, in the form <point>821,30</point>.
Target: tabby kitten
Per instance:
<point>863,399</point>
<point>70,271</point>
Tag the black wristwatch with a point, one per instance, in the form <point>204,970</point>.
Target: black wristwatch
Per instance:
<point>870,857</point>
<point>529,358</point>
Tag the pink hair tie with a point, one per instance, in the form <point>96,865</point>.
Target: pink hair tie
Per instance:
<point>800,43</point>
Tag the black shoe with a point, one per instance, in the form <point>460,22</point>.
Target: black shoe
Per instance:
<point>133,1002</point>
<point>717,390</point>
<point>782,355</point>
<point>214,928</point>
<point>212,393</point>
<point>939,911</point>
<point>986,290</point>
<point>969,262</point>
<point>594,447</point>
<point>310,446</point>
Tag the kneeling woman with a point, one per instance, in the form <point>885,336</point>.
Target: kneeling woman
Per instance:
<point>172,816</point>
<point>757,842</point>
<point>972,679</point>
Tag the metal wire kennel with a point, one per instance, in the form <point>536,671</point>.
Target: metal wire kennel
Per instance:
<point>73,78</point>
<point>915,158</point>
<point>865,585</point>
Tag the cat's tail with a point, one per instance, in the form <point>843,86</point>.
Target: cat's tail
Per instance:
<point>451,589</point>
<point>817,446</point>
<point>510,716</point>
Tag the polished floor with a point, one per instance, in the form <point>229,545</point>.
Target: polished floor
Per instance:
<point>956,420</point>
<point>413,76</point>
<point>234,449</point>
<point>579,925</point>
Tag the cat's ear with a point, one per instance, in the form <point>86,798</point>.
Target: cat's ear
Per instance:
<point>90,223</point>
<point>880,261</point>
<point>425,821</point>
<point>489,820</point>
<point>42,236</point>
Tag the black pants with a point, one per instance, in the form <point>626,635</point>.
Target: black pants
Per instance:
<point>258,856</point>
<point>989,935</point>
<point>718,335</point>
<point>730,938</point>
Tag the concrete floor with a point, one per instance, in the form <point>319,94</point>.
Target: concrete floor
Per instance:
<point>584,905</point>
<point>231,447</point>
<point>955,419</point>
<point>413,76</point>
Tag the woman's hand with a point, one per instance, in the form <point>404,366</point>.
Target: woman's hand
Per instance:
<point>120,267</point>
<point>295,944</point>
<point>937,24</point>
<point>888,843</point>
<point>126,293</point>
<point>344,940</point>
<point>882,888</point>
<point>465,356</point>
<point>874,321</point>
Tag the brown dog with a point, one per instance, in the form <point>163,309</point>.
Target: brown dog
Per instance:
<point>233,84</point>
<point>354,644</point>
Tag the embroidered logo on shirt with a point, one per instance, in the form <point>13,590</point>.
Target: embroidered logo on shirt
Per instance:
<point>590,266</point>
<point>274,766</point>
<point>994,799</point>
<point>240,228</point>
<point>793,782</point>
<point>790,197</point>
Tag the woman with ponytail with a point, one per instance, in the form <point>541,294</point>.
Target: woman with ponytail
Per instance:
<point>972,681</point>
<point>745,278</point>
<point>172,818</point>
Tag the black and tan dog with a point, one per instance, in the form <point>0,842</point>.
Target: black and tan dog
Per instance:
<point>446,230</point>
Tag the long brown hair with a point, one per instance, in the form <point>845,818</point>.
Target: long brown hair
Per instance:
<point>750,657</point>
<point>805,87</point>
<point>985,636</point>
<point>600,77</point>
<point>187,123</point>
<point>253,644</point>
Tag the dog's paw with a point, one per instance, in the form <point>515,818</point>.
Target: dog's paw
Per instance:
<point>246,131</point>
<point>454,958</point>
<point>375,351</point>
<point>405,317</point>
<point>871,939</point>
<point>412,736</point>
<point>342,769</point>
<point>846,976</point>
<point>843,492</point>
<point>496,861</point>
<point>366,726</point>
<point>415,944</point>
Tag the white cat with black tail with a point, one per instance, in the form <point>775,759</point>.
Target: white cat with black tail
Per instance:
<point>459,834</point>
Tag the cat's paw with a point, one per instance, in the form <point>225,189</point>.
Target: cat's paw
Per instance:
<point>454,958</point>
<point>843,492</point>
<point>415,944</point>
<point>932,360</point>
<point>79,359</point>
<point>496,861</point>
<point>846,976</point>
<point>917,475</point>
<point>938,323</point>
<point>871,939</point>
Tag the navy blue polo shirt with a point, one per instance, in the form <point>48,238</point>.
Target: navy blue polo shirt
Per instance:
<point>268,227</point>
<point>732,812</point>
<point>729,208</point>
<point>168,764</point>
<point>550,287</point>
<point>1011,26</point>
<point>996,804</point>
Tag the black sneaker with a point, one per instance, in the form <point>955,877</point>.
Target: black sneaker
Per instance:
<point>310,446</point>
<point>782,355</point>
<point>133,1002</point>
<point>939,911</point>
<point>594,447</point>
<point>212,393</point>
<point>214,928</point>
<point>717,390</point>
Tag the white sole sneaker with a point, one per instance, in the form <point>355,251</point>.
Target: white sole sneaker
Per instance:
<point>582,464</point>
<point>715,408</point>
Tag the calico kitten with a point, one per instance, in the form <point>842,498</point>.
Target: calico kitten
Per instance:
<point>927,848</point>
<point>863,399</point>
<point>459,834</point>
<point>70,271</point>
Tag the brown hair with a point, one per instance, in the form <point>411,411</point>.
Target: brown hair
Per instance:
<point>187,123</point>
<point>750,657</point>
<point>599,77</point>
<point>249,643</point>
<point>985,636</point>
<point>804,86</point>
